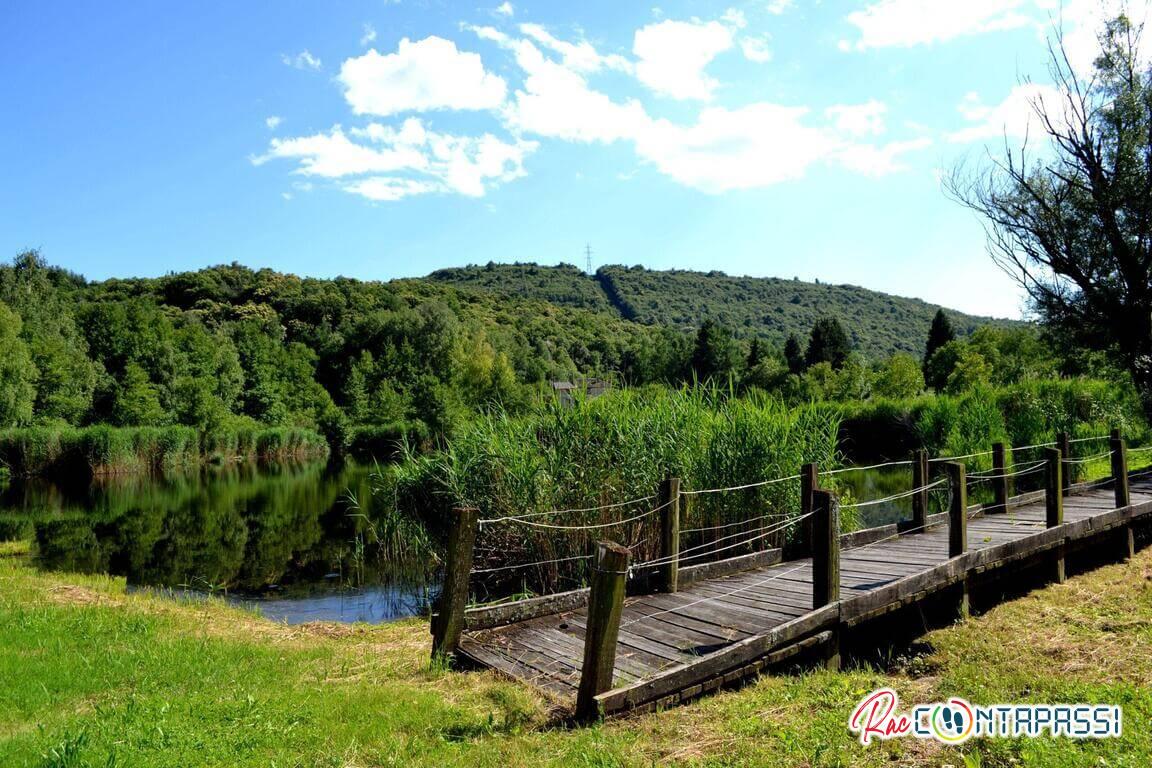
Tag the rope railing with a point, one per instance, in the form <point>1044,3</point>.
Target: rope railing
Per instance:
<point>895,496</point>
<point>961,458</point>
<point>531,565</point>
<point>1088,459</point>
<point>583,527</point>
<point>1028,469</point>
<point>744,487</point>
<point>1037,445</point>
<point>724,526</point>
<point>708,548</point>
<point>601,508</point>
<point>840,470</point>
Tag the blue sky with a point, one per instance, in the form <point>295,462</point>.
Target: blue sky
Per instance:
<point>385,139</point>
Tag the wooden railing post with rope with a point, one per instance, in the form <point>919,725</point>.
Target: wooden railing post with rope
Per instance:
<point>605,603</point>
<point>920,486</point>
<point>809,478</point>
<point>1123,495</point>
<point>1064,444</point>
<point>826,562</point>
<point>448,614</point>
<point>668,500</point>
<point>1000,490</point>
<point>1054,501</point>
<point>958,522</point>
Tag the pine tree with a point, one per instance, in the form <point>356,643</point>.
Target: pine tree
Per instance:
<point>828,344</point>
<point>715,354</point>
<point>939,334</point>
<point>755,354</point>
<point>794,354</point>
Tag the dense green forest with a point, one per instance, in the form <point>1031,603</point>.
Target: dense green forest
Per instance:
<point>767,308</point>
<point>228,349</point>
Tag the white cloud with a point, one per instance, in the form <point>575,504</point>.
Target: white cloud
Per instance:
<point>904,23</point>
<point>753,146</point>
<point>1014,117</point>
<point>390,188</point>
<point>424,75</point>
<point>721,149</point>
<point>557,102</point>
<point>273,122</point>
<point>756,48</point>
<point>871,160</point>
<point>777,7</point>
<point>369,35</point>
<point>672,56</point>
<point>505,9</point>
<point>865,119</point>
<point>580,56</point>
<point>391,163</point>
<point>302,60</point>
<point>734,17</point>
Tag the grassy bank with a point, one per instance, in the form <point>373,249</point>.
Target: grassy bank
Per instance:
<point>97,677</point>
<point>103,449</point>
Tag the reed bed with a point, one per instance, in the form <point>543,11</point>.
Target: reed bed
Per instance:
<point>599,462</point>
<point>102,449</point>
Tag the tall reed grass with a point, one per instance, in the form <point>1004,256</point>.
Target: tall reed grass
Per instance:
<point>612,450</point>
<point>103,449</point>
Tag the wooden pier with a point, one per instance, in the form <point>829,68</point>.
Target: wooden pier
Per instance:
<point>603,654</point>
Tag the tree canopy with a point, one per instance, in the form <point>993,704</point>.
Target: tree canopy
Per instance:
<point>1072,220</point>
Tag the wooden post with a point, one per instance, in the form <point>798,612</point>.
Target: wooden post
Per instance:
<point>1064,443</point>
<point>958,523</point>
<point>1000,481</point>
<point>448,615</point>
<point>669,502</point>
<point>809,474</point>
<point>603,626</point>
<point>958,510</point>
<point>826,562</point>
<point>1054,501</point>
<point>1119,448</point>
<point>920,497</point>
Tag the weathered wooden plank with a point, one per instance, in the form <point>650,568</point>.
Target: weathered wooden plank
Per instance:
<point>693,629</point>
<point>752,623</point>
<point>487,617</point>
<point>734,657</point>
<point>856,608</point>
<point>760,601</point>
<point>690,574</point>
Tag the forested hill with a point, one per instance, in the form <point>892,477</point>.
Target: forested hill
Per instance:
<point>233,346</point>
<point>770,308</point>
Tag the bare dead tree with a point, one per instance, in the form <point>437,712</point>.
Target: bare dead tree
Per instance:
<point>1072,219</point>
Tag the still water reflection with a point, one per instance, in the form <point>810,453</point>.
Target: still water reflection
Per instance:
<point>286,538</point>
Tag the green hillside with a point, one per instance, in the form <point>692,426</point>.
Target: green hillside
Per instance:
<point>770,308</point>
<point>564,285</point>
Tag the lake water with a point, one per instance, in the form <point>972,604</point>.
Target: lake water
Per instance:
<point>287,539</point>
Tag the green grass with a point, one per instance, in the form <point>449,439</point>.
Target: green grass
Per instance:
<point>93,676</point>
